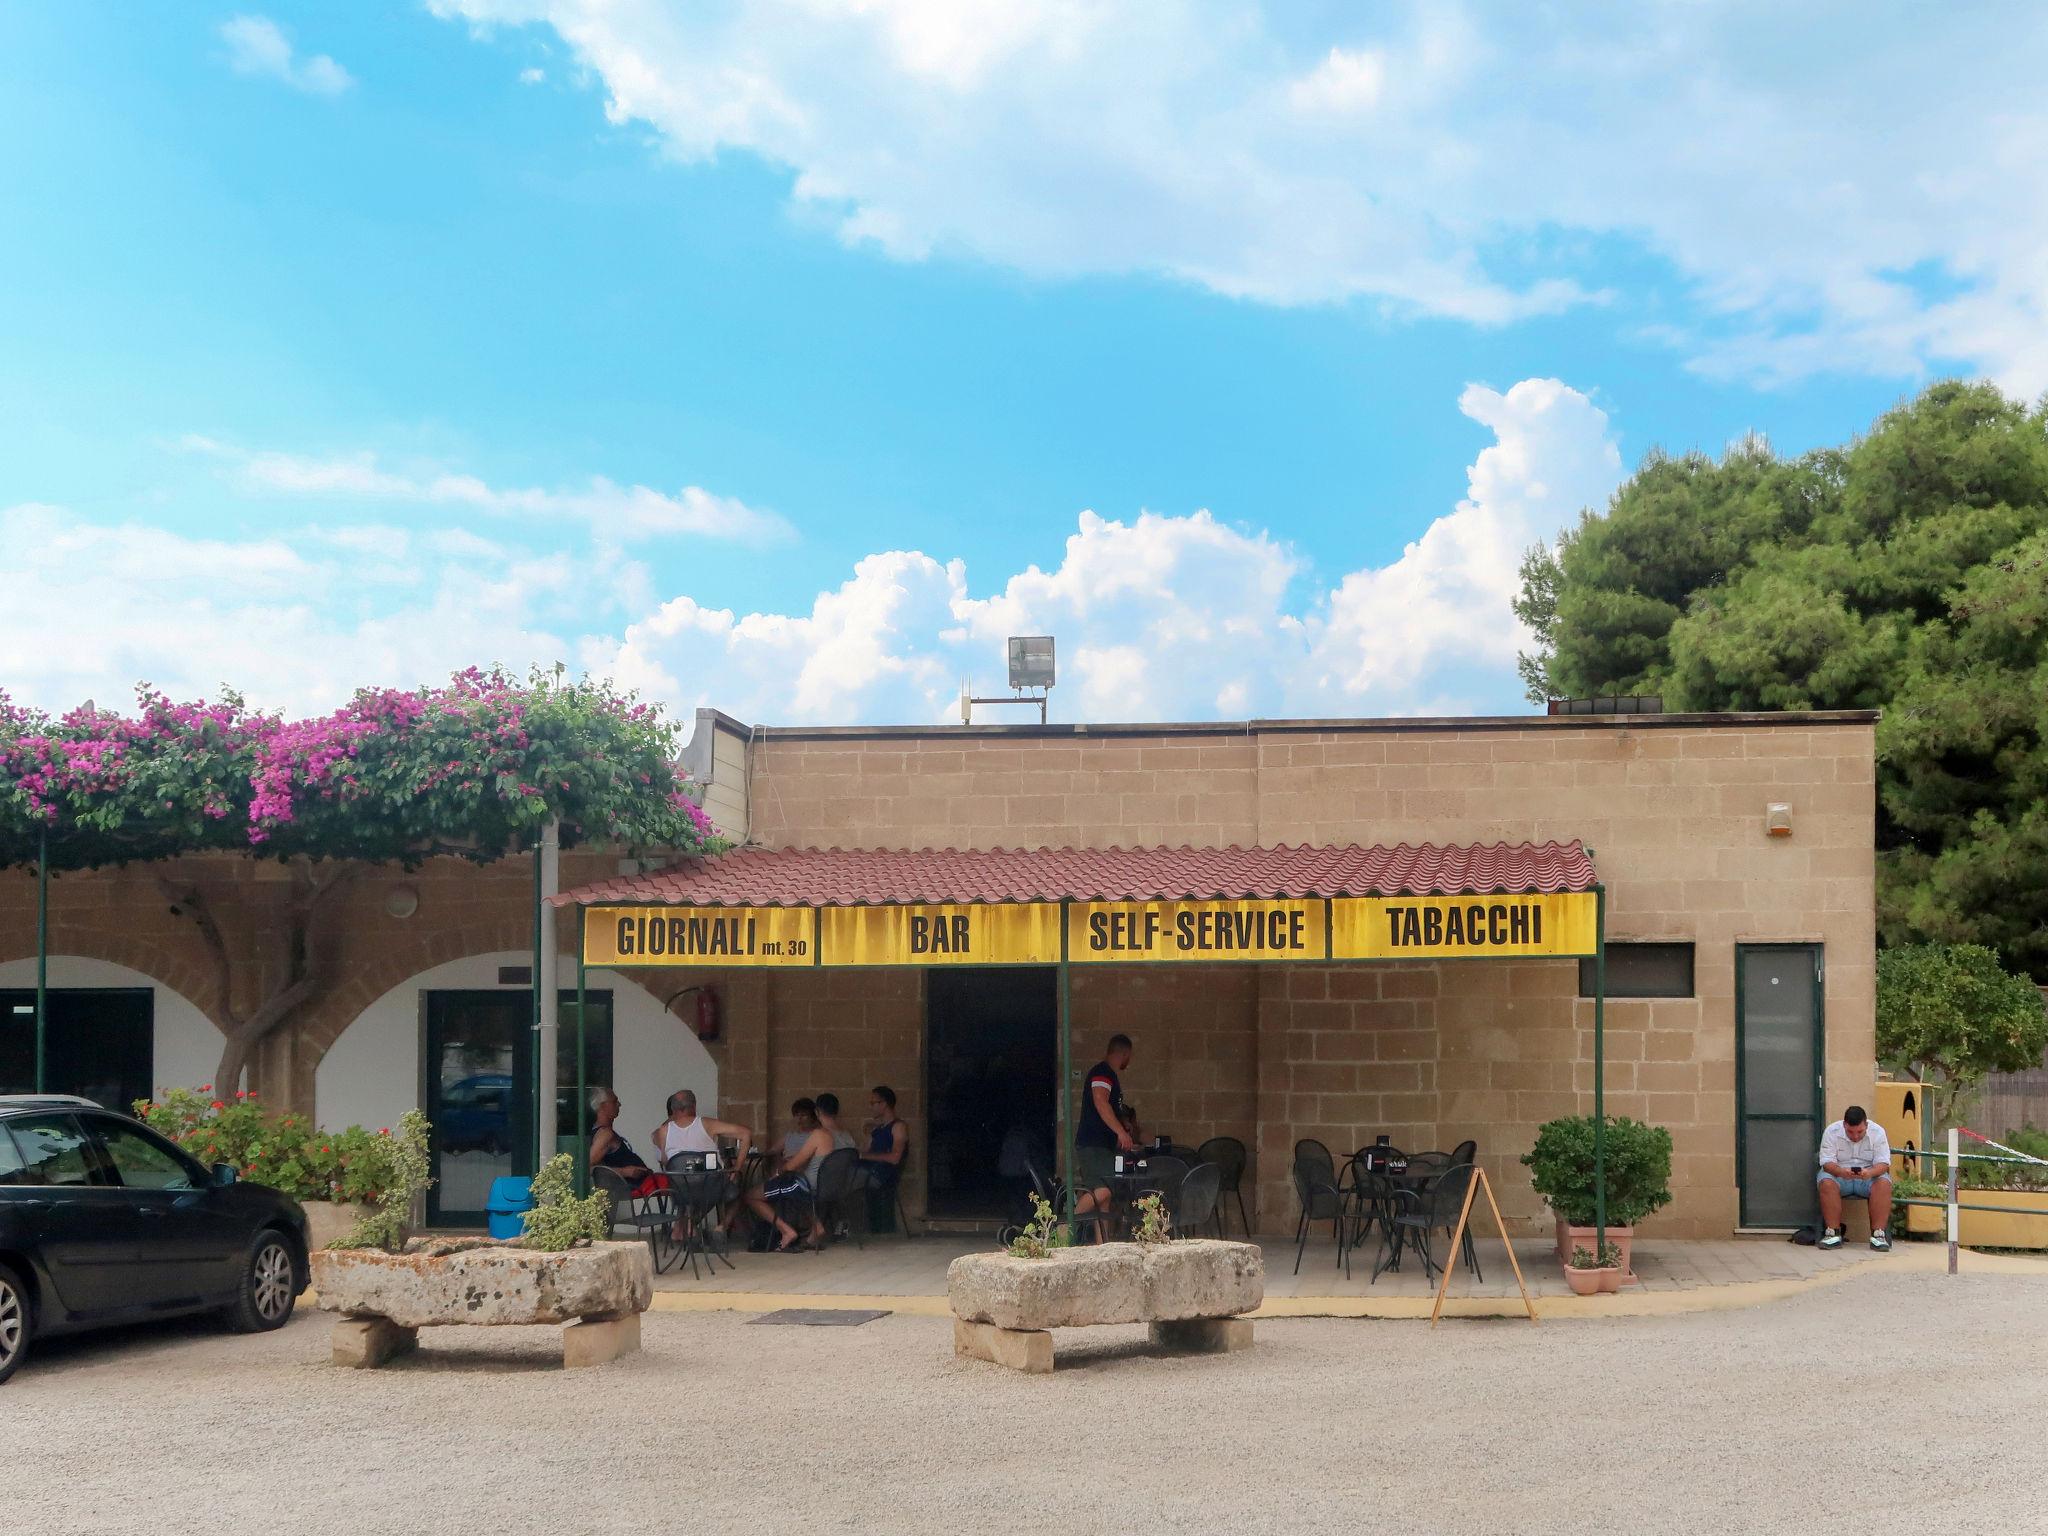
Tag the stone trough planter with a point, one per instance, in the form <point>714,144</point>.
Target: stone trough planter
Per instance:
<point>598,1291</point>
<point>1190,1293</point>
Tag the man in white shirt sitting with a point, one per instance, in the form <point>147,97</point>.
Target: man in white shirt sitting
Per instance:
<point>1855,1159</point>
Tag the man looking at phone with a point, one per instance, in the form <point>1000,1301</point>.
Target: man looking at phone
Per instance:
<point>1855,1159</point>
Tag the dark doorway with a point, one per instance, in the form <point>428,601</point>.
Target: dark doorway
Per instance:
<point>1779,1049</point>
<point>991,1069</point>
<point>479,1091</point>
<point>100,1043</point>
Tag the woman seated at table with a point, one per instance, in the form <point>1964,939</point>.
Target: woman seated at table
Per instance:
<point>803,1149</point>
<point>888,1141</point>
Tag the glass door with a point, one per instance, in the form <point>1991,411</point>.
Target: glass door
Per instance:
<point>479,1092</point>
<point>479,1098</point>
<point>1778,1072</point>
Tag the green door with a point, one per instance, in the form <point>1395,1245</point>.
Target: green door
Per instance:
<point>1778,1081</point>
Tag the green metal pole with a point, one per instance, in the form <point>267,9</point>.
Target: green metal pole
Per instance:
<point>541,1153</point>
<point>43,962</point>
<point>1066,1062</point>
<point>1599,1069</point>
<point>582,1060</point>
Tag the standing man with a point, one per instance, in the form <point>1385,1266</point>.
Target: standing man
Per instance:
<point>1855,1159</point>
<point>1100,1133</point>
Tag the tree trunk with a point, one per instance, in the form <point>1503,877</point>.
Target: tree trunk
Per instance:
<point>302,978</point>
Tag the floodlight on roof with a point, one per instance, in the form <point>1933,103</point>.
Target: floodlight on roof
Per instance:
<point>1031,667</point>
<point>1031,661</point>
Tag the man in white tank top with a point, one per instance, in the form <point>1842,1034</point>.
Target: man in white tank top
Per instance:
<point>687,1131</point>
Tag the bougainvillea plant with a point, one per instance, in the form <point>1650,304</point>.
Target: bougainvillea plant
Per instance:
<point>474,768</point>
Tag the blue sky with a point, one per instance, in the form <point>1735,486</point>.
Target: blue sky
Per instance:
<point>756,354</point>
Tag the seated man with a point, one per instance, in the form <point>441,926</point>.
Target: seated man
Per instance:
<point>608,1149</point>
<point>882,1167</point>
<point>1855,1159</point>
<point>792,1185</point>
<point>687,1131</point>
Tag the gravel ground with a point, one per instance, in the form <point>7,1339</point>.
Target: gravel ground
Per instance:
<point>1759,1420</point>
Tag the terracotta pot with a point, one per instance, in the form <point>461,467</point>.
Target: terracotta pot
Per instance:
<point>1611,1277</point>
<point>1570,1237</point>
<point>1590,1282</point>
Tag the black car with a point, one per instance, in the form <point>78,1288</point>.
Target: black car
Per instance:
<point>102,1222</point>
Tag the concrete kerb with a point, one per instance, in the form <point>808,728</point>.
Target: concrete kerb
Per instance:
<point>1634,1302</point>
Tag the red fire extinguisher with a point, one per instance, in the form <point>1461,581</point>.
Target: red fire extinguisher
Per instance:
<point>706,1023</point>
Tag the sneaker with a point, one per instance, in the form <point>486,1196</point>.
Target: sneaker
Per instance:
<point>1881,1241</point>
<point>1830,1238</point>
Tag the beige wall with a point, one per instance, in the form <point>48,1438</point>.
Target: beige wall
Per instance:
<point>1673,806</point>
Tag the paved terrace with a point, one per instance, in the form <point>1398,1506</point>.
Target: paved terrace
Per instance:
<point>909,1275</point>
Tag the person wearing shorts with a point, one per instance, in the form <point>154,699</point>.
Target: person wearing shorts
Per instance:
<point>1099,1131</point>
<point>1855,1162</point>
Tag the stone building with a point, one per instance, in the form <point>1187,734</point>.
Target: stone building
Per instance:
<point>1735,852</point>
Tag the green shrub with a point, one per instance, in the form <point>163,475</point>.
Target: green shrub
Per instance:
<point>1638,1169</point>
<point>384,1225</point>
<point>1042,1233</point>
<point>558,1219</point>
<point>284,1151</point>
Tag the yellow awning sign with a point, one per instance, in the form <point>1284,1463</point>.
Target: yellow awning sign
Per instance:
<point>700,936</point>
<point>1100,932</point>
<point>1458,927</point>
<point>996,934</point>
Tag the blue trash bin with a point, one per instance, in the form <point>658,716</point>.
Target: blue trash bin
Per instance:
<point>510,1199</point>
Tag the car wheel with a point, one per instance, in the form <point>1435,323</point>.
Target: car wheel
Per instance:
<point>17,1322</point>
<point>270,1286</point>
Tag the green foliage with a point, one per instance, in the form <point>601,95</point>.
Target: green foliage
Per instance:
<point>559,1219</point>
<point>1907,571</point>
<point>1042,1233</point>
<point>284,1151</point>
<point>1953,1014</point>
<point>473,768</point>
<point>1609,1257</point>
<point>1155,1225</point>
<point>1906,1186</point>
<point>1638,1169</point>
<point>385,1225</point>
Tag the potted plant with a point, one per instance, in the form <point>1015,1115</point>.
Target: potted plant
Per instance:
<point>1589,1273</point>
<point>1638,1159</point>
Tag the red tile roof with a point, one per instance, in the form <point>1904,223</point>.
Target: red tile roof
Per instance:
<point>841,877</point>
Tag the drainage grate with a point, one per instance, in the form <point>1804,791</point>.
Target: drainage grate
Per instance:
<point>819,1317</point>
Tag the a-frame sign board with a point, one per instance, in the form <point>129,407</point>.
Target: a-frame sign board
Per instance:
<point>1478,1182</point>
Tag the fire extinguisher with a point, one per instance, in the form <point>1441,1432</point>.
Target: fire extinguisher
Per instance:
<point>707,1010</point>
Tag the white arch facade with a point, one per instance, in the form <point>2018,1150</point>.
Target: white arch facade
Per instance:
<point>186,1045</point>
<point>371,1074</point>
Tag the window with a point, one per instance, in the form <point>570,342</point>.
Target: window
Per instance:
<point>1643,970</point>
<point>53,1150</point>
<point>10,1160</point>
<point>141,1160</point>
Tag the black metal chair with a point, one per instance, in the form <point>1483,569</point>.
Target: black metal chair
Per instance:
<point>1418,1213</point>
<point>650,1218</point>
<point>1227,1154</point>
<point>834,1187</point>
<point>1315,1186</point>
<point>1054,1194</point>
<point>1194,1202</point>
<point>1372,1200</point>
<point>1465,1152</point>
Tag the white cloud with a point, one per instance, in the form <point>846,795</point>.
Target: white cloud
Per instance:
<point>533,76</point>
<point>257,46</point>
<point>1866,197</point>
<point>295,621</point>
<point>1168,617</point>
<point>1157,617</point>
<point>621,512</point>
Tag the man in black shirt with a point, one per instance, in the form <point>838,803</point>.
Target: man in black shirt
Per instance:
<point>1099,1134</point>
